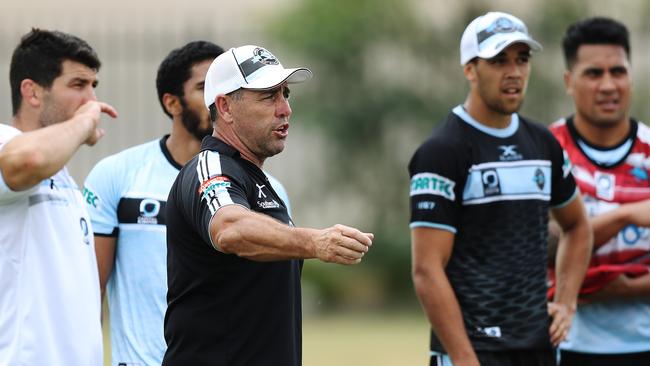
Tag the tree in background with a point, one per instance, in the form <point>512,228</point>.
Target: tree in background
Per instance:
<point>384,77</point>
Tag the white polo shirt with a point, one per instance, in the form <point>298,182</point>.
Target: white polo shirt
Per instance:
<point>49,285</point>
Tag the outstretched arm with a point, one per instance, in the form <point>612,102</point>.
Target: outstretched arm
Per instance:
<point>33,156</point>
<point>237,230</point>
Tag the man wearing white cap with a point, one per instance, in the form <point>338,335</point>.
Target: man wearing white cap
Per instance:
<point>482,187</point>
<point>234,256</point>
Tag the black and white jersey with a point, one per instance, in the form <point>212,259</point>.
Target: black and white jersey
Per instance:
<point>224,309</point>
<point>493,189</point>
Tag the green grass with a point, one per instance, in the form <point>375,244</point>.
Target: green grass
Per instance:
<point>378,339</point>
<point>351,339</point>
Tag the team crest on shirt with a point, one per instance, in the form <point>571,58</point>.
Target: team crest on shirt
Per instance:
<point>217,184</point>
<point>539,179</point>
<point>431,183</point>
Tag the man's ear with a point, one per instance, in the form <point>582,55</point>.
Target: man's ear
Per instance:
<point>31,93</point>
<point>568,85</point>
<point>172,104</point>
<point>224,106</point>
<point>470,71</point>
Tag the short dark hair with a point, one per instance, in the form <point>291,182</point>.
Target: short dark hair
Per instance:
<point>596,30</point>
<point>39,57</point>
<point>174,70</point>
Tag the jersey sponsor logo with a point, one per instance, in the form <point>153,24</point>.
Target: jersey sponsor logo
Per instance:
<point>431,183</point>
<point>507,181</point>
<point>632,234</point>
<point>145,211</point>
<point>492,332</point>
<point>149,209</point>
<point>268,204</point>
<point>490,179</point>
<point>605,185</point>
<point>90,197</point>
<point>85,231</point>
<point>508,153</point>
<point>218,184</point>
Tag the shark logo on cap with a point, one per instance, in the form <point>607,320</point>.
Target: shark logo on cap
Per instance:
<point>264,56</point>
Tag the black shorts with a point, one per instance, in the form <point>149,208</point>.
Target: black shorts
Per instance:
<point>569,358</point>
<point>506,358</point>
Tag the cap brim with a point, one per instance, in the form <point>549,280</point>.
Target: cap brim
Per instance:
<point>274,76</point>
<point>498,43</point>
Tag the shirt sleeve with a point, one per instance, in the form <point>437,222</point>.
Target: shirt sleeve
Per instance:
<point>8,195</point>
<point>436,187</point>
<point>102,195</point>
<point>564,188</point>
<point>218,182</point>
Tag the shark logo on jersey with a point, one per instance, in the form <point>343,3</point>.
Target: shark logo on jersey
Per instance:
<point>539,179</point>
<point>639,174</point>
<point>431,183</point>
<point>509,153</point>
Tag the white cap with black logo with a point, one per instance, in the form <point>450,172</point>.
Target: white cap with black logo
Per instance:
<point>489,34</point>
<point>248,67</point>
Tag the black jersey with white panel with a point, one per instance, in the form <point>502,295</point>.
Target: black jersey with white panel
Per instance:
<point>493,189</point>
<point>224,309</point>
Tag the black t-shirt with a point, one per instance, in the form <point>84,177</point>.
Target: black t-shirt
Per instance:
<point>493,189</point>
<point>224,310</point>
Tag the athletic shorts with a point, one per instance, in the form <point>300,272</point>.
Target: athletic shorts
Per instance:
<point>569,358</point>
<point>504,358</point>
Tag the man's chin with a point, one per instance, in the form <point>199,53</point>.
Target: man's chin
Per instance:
<point>200,135</point>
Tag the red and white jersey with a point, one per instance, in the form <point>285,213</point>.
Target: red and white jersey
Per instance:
<point>605,187</point>
<point>608,178</point>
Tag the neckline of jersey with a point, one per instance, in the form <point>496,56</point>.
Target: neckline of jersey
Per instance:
<point>495,132</point>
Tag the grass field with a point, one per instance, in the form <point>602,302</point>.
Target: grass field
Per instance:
<point>360,339</point>
<point>377,339</point>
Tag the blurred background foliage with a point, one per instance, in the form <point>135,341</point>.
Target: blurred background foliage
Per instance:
<point>384,76</point>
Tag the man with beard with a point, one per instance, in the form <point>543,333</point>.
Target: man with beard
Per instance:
<point>126,195</point>
<point>482,187</point>
<point>49,293</point>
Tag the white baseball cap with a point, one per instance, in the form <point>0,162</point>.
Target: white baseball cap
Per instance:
<point>489,34</point>
<point>248,67</point>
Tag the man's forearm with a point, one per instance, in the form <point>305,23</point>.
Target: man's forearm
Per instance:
<point>33,156</point>
<point>443,311</point>
<point>248,234</point>
<point>574,253</point>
